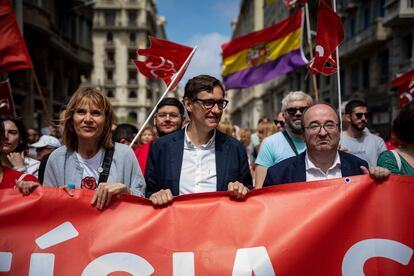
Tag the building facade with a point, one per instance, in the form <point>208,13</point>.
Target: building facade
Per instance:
<point>378,45</point>
<point>120,27</point>
<point>58,35</point>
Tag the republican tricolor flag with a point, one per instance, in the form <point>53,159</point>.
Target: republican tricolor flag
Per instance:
<point>264,55</point>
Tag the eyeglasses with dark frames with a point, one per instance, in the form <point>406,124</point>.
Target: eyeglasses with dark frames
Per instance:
<point>360,114</point>
<point>209,104</point>
<point>293,110</point>
<point>280,123</point>
<point>328,126</point>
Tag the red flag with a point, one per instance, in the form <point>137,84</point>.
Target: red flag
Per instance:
<point>405,86</point>
<point>13,51</point>
<point>292,3</point>
<point>329,34</point>
<point>164,59</point>
<point>6,99</point>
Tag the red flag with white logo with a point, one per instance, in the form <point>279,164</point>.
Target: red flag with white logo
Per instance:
<point>13,51</point>
<point>405,86</point>
<point>329,34</point>
<point>164,59</point>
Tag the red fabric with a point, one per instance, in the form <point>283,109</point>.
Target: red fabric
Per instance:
<point>164,59</point>
<point>10,176</point>
<point>329,34</point>
<point>390,145</point>
<point>335,227</point>
<point>6,99</point>
<point>13,51</point>
<point>141,152</point>
<point>292,3</point>
<point>405,86</point>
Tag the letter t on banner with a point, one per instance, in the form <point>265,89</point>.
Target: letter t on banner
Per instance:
<point>165,60</point>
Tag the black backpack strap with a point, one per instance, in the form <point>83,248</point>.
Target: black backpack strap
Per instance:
<point>292,145</point>
<point>106,165</point>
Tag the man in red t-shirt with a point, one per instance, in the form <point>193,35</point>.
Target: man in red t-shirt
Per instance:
<point>168,118</point>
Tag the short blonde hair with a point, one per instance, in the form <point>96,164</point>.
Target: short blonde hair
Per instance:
<point>88,95</point>
<point>226,127</point>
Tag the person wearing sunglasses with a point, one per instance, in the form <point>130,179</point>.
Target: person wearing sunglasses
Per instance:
<point>198,158</point>
<point>322,159</point>
<point>356,139</point>
<point>287,143</point>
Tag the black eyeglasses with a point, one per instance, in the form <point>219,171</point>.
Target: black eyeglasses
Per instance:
<point>360,114</point>
<point>279,122</point>
<point>293,110</point>
<point>316,128</point>
<point>209,104</point>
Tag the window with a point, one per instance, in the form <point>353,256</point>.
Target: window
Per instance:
<point>110,94</point>
<point>109,75</point>
<point>109,37</point>
<point>342,84</point>
<point>382,8</point>
<point>110,56</point>
<point>149,94</point>
<point>132,55</point>
<point>365,73</point>
<point>132,77</point>
<point>110,18</point>
<point>384,66</point>
<point>132,19</point>
<point>367,18</point>
<point>132,94</point>
<point>132,116</point>
<point>351,26</point>
<point>132,38</point>
<point>354,77</point>
<point>407,47</point>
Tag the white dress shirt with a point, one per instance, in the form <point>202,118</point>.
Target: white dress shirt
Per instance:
<point>314,173</point>
<point>198,171</point>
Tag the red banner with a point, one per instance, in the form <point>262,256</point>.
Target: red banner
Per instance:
<point>347,226</point>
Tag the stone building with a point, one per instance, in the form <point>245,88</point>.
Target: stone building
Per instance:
<point>378,45</point>
<point>58,35</point>
<point>120,27</point>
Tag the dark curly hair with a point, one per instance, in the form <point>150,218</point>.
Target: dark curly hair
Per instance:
<point>23,135</point>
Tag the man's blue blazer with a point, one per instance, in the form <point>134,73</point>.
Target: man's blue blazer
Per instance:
<point>293,169</point>
<point>166,157</point>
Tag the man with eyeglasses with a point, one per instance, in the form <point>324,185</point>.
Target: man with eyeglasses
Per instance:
<point>168,118</point>
<point>322,159</point>
<point>198,158</point>
<point>356,139</point>
<point>286,143</point>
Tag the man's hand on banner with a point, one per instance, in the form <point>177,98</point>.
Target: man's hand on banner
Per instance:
<point>237,190</point>
<point>161,197</point>
<point>106,191</point>
<point>378,173</point>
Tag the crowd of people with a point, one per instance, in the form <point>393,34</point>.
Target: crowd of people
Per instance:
<point>187,149</point>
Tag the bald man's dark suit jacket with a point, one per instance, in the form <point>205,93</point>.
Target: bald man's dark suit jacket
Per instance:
<point>166,157</point>
<point>294,169</point>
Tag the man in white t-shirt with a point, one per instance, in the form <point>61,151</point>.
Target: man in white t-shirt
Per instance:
<point>283,145</point>
<point>355,139</point>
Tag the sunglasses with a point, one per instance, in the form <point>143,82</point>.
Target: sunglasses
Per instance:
<point>359,115</point>
<point>293,110</point>
<point>280,123</point>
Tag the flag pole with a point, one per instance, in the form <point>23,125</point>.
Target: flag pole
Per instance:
<point>185,64</point>
<point>315,86</point>
<point>42,99</point>
<point>338,75</point>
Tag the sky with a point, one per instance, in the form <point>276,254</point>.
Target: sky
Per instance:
<point>202,23</point>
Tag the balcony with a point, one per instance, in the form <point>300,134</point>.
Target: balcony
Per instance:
<point>399,12</point>
<point>347,5</point>
<point>370,37</point>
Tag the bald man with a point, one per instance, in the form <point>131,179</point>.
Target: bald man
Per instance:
<point>321,160</point>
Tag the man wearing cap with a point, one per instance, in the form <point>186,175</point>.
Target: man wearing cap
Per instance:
<point>44,147</point>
